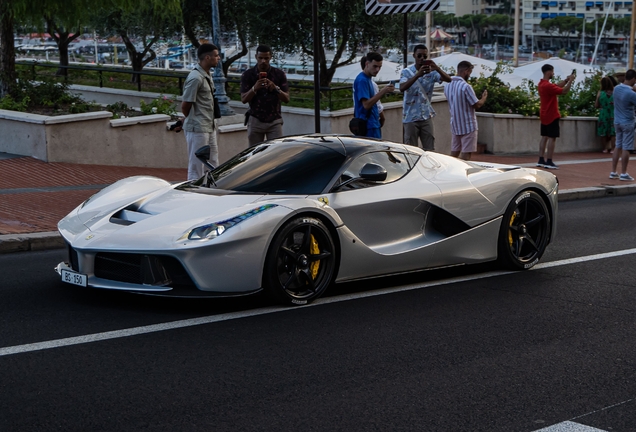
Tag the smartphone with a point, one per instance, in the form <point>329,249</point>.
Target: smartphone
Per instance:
<point>428,62</point>
<point>392,83</point>
<point>262,75</point>
<point>573,71</point>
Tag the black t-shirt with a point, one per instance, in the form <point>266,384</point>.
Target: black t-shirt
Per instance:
<point>265,105</point>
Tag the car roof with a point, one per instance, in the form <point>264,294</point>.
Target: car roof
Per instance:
<point>348,145</point>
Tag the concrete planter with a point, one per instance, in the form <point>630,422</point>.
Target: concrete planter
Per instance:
<point>516,134</point>
<point>94,138</point>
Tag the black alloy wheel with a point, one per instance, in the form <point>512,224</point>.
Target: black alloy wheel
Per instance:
<point>525,231</point>
<point>301,262</point>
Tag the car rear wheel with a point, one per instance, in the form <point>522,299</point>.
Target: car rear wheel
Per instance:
<point>524,232</point>
<point>301,262</point>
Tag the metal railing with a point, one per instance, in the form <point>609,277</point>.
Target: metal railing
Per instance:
<point>302,95</point>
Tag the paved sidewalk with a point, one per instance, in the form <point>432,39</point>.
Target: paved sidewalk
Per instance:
<point>35,195</point>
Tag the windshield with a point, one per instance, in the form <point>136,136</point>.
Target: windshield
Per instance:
<point>295,168</point>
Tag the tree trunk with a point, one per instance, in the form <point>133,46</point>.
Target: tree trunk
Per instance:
<point>228,61</point>
<point>63,48</point>
<point>137,58</point>
<point>7,50</point>
<point>62,38</point>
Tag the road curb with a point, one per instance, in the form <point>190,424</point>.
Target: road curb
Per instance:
<point>53,240</point>
<point>596,192</point>
<point>30,242</point>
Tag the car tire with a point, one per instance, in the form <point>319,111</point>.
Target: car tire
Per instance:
<point>525,231</point>
<point>301,262</point>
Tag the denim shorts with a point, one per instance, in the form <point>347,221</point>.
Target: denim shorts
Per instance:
<point>624,136</point>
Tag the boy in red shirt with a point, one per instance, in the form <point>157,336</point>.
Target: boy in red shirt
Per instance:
<point>549,113</point>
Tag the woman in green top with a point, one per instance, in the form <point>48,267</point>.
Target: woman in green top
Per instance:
<point>605,103</point>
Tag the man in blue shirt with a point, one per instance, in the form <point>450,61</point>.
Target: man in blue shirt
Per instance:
<point>624,104</point>
<point>417,82</point>
<point>365,96</point>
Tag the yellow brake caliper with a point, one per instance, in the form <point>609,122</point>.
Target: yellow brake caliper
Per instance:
<point>512,219</point>
<point>314,250</point>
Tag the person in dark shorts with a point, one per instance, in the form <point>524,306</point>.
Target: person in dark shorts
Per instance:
<point>549,114</point>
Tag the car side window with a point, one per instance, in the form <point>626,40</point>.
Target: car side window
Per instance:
<point>395,164</point>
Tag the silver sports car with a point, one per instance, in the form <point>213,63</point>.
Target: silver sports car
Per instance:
<point>294,215</point>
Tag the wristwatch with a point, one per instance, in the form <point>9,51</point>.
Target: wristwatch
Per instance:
<point>277,89</point>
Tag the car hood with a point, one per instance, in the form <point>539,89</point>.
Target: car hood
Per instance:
<point>167,213</point>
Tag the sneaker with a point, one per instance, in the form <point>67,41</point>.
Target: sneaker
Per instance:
<point>626,177</point>
<point>550,165</point>
<point>541,162</point>
<point>613,175</point>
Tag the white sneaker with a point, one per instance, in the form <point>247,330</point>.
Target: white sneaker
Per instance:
<point>626,177</point>
<point>613,175</point>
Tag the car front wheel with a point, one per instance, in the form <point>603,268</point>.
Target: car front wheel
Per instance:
<point>301,262</point>
<point>525,231</point>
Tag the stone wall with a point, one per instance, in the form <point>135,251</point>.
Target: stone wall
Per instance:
<point>94,138</point>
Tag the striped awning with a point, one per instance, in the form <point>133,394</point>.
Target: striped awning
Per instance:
<point>381,7</point>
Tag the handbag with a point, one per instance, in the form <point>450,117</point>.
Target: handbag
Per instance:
<point>358,126</point>
<point>217,108</point>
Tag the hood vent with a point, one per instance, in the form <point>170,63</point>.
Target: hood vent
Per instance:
<point>128,217</point>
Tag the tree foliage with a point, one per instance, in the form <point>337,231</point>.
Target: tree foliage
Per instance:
<point>345,28</point>
<point>197,20</point>
<point>147,20</point>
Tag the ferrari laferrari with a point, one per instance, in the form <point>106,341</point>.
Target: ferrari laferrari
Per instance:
<point>296,215</point>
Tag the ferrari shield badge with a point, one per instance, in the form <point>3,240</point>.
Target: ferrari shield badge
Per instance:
<point>324,200</point>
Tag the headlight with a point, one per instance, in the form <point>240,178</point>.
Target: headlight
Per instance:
<point>215,229</point>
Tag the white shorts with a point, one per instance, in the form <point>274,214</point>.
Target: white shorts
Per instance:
<point>464,143</point>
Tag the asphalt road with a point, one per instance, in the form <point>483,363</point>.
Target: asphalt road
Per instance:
<point>464,350</point>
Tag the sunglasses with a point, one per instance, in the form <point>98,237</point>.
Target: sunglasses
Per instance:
<point>421,55</point>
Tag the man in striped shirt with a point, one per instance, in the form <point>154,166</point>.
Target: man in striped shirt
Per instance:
<point>463,102</point>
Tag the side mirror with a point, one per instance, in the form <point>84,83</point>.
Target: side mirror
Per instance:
<point>373,172</point>
<point>203,154</point>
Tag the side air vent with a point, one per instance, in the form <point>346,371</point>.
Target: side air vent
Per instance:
<point>445,223</point>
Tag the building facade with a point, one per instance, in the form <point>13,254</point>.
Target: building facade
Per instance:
<point>534,11</point>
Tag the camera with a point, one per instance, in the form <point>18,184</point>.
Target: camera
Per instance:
<point>175,125</point>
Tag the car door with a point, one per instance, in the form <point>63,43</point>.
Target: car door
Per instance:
<point>388,217</point>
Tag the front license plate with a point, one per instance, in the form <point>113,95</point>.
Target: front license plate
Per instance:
<point>74,278</point>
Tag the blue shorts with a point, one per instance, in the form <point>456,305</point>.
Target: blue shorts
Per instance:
<point>624,136</point>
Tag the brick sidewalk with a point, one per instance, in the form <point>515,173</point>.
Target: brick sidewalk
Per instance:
<point>35,195</point>
<point>576,170</point>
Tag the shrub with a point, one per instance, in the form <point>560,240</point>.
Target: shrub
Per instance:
<point>47,95</point>
<point>9,103</point>
<point>161,105</point>
<point>121,110</point>
<point>524,100</point>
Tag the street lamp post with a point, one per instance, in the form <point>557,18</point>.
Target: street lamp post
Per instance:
<point>217,76</point>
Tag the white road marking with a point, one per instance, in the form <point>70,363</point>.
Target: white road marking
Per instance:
<point>134,331</point>
<point>569,426</point>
